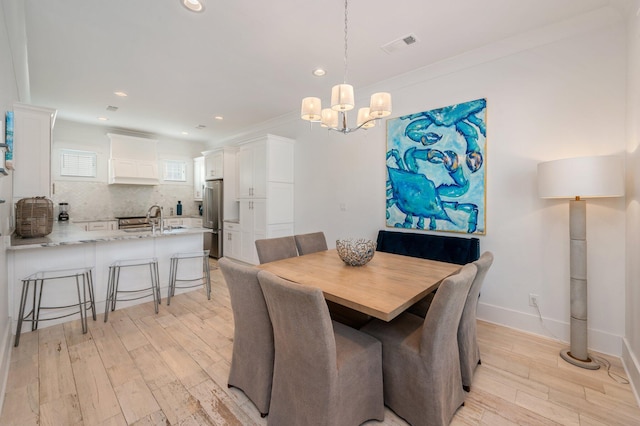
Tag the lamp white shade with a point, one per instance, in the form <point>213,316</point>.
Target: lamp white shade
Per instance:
<point>342,98</point>
<point>380,105</point>
<point>310,109</point>
<point>329,118</point>
<point>364,119</point>
<point>584,177</point>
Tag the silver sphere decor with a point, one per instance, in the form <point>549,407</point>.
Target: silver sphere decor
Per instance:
<point>355,252</point>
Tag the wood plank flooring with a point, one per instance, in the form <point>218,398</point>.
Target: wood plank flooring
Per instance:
<point>171,369</point>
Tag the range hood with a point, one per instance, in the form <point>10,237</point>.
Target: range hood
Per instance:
<point>133,161</point>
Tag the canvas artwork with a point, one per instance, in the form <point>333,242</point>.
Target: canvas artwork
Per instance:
<point>436,169</point>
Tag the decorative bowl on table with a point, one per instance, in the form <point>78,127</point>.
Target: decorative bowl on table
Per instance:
<point>355,252</point>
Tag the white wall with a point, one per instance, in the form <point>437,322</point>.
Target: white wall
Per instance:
<point>8,95</point>
<point>631,348</point>
<point>552,93</point>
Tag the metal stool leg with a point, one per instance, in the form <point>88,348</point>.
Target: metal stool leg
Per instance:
<point>83,314</point>
<point>207,274</point>
<point>92,300</point>
<point>23,302</point>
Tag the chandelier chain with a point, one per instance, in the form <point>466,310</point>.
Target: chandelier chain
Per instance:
<point>345,40</point>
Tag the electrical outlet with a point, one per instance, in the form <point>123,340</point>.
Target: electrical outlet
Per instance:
<point>533,299</point>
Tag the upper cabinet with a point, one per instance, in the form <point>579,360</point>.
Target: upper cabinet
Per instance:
<point>133,161</point>
<point>32,135</point>
<point>214,165</point>
<point>198,178</point>
<point>262,161</point>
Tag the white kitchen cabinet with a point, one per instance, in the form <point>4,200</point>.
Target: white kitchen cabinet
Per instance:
<point>32,136</point>
<point>253,226</point>
<point>99,225</point>
<point>264,160</point>
<point>214,165</point>
<point>198,178</point>
<point>265,181</point>
<point>133,161</point>
<point>103,225</point>
<point>231,240</point>
<point>173,222</point>
<point>221,164</point>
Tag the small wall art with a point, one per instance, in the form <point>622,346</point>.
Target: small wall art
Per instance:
<point>436,169</point>
<point>9,139</point>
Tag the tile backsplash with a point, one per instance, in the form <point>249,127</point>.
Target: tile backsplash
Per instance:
<point>99,201</point>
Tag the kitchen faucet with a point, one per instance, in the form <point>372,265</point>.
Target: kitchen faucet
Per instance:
<point>153,223</point>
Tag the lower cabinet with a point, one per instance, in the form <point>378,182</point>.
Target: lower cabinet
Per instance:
<point>254,225</point>
<point>100,225</point>
<point>231,241</point>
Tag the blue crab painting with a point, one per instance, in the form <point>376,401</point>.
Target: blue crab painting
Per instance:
<point>436,169</point>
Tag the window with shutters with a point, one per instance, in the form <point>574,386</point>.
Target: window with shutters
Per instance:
<point>78,163</point>
<point>175,170</point>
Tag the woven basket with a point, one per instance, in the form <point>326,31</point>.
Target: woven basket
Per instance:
<point>34,217</point>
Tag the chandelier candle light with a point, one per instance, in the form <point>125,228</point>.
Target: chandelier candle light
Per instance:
<point>342,100</point>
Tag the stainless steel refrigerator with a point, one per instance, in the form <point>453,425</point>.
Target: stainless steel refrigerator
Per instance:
<point>212,216</point>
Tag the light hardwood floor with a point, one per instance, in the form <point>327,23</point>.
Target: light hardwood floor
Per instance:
<point>167,369</point>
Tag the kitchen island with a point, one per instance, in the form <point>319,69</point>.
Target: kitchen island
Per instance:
<point>69,246</point>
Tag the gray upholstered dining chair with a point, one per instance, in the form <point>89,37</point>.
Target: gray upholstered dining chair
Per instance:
<point>253,348</point>
<point>467,333</point>
<point>310,243</point>
<point>420,357</point>
<point>272,249</point>
<point>325,373</point>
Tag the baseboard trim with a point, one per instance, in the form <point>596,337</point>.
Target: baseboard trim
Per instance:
<point>599,341</point>
<point>632,367</point>
<point>5,360</point>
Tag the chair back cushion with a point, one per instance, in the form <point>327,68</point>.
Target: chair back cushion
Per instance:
<point>253,347</point>
<point>310,243</point>
<point>443,317</point>
<point>467,333</point>
<point>303,333</point>
<point>272,249</point>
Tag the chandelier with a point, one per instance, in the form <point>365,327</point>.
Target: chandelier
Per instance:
<point>342,100</point>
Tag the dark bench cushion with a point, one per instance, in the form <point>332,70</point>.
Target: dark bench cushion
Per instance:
<point>435,247</point>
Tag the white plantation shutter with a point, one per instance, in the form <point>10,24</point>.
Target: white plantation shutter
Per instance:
<point>78,163</point>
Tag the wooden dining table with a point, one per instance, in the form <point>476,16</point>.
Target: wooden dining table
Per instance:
<point>383,288</point>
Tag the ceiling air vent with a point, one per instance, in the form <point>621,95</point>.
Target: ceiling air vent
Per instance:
<point>400,44</point>
<point>200,126</point>
<point>112,108</point>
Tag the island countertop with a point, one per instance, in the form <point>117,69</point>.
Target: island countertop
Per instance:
<point>66,233</point>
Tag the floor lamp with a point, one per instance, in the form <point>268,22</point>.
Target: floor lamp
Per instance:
<point>577,178</point>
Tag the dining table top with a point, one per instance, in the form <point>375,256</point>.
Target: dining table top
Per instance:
<point>383,288</point>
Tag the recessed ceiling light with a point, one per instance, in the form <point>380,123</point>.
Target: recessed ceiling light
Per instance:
<point>218,117</point>
<point>193,5</point>
<point>318,72</point>
<point>185,133</point>
<point>103,118</point>
<point>121,94</point>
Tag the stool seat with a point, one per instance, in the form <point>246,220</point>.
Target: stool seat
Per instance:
<point>194,281</point>
<point>38,279</point>
<point>113,285</point>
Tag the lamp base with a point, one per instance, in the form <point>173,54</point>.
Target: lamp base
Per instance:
<point>588,364</point>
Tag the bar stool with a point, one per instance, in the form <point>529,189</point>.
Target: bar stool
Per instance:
<point>205,278</point>
<point>38,280</point>
<point>132,294</point>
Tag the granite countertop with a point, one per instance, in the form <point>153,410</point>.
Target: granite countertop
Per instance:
<point>65,233</point>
